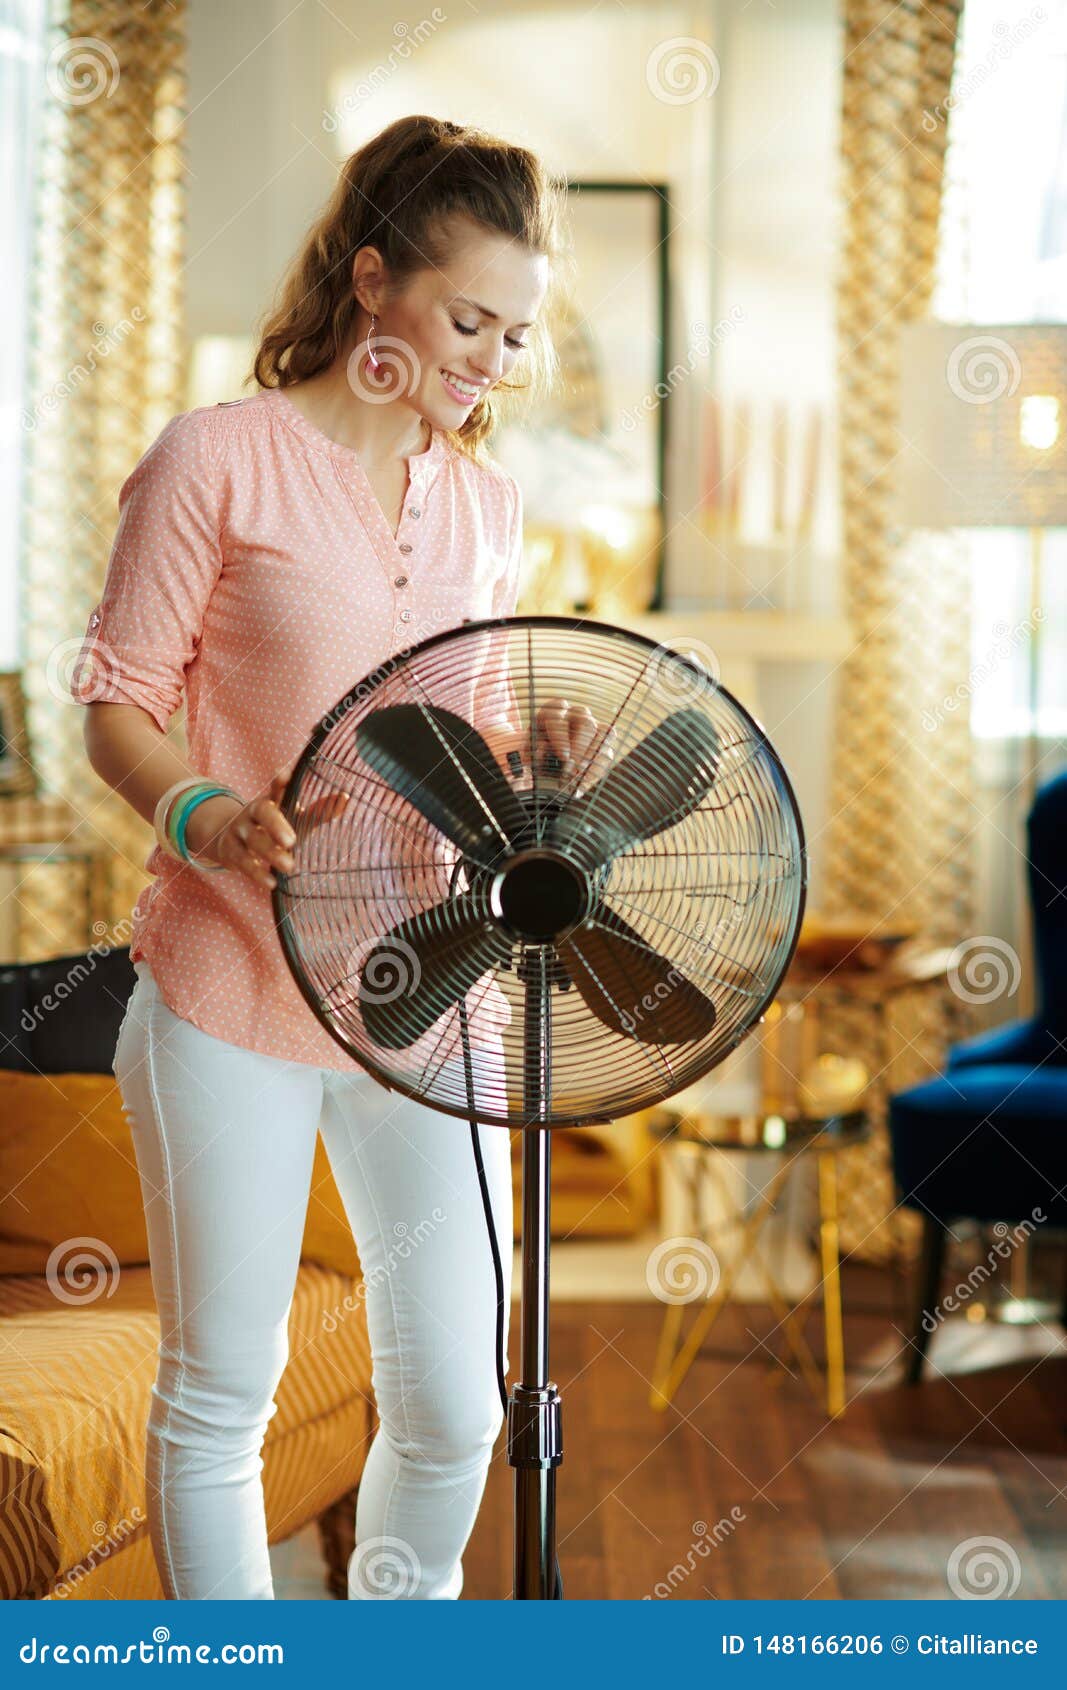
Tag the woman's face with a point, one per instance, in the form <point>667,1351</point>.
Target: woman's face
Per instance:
<point>465,323</point>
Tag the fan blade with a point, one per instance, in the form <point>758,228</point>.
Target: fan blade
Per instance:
<point>655,785</point>
<point>630,987</point>
<point>437,956</point>
<point>442,765</point>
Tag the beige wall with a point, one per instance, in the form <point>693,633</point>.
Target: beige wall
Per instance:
<point>752,172</point>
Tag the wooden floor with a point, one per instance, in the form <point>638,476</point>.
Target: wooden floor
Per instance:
<point>870,1506</point>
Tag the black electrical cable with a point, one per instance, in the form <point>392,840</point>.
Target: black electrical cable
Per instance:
<point>494,1246</point>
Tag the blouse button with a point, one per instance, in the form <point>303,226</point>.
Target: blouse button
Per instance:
<point>94,620</point>
<point>405,547</point>
<point>414,513</point>
<point>401,581</point>
<point>406,615</point>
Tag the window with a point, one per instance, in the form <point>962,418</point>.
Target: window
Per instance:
<point>22,45</point>
<point>1004,260</point>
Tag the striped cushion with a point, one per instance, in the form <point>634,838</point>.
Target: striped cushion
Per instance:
<point>76,1382</point>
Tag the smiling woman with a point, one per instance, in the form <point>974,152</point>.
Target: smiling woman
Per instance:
<point>271,553</point>
<point>423,281</point>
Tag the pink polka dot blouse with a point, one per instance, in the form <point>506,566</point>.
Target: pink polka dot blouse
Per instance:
<point>253,570</point>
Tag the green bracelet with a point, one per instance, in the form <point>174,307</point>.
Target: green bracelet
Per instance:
<point>178,819</point>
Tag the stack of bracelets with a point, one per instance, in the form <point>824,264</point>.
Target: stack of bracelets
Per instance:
<point>174,809</point>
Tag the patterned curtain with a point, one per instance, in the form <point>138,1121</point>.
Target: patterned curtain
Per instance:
<point>900,842</point>
<point>105,369</point>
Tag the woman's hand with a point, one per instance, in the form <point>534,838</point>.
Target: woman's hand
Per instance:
<point>567,732</point>
<point>254,837</point>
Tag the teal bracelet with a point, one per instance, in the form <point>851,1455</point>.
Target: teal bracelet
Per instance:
<point>183,809</point>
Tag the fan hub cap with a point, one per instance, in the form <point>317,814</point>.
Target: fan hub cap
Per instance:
<point>539,894</point>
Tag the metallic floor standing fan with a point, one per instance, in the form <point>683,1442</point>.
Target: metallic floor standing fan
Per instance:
<point>554,945</point>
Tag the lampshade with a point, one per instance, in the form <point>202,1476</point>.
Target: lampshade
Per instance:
<point>983,426</point>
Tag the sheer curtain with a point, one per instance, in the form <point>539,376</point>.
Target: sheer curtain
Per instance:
<point>1003,259</point>
<point>21,72</point>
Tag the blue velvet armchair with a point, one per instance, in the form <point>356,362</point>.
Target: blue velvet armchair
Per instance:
<point>987,1139</point>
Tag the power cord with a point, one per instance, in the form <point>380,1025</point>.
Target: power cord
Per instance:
<point>493,1243</point>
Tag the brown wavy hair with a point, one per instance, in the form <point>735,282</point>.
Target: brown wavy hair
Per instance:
<point>398,192</point>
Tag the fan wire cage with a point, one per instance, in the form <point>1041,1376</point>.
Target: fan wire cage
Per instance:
<point>609,929</point>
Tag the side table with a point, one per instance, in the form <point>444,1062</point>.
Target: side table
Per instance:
<point>791,1136</point>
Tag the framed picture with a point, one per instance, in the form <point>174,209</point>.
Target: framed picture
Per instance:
<point>17,778</point>
<point>591,460</point>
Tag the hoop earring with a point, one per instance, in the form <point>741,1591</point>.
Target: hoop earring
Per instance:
<point>374,362</point>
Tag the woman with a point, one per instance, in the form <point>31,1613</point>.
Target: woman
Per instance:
<point>269,552</point>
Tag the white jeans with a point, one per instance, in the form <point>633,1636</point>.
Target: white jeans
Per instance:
<point>224,1139</point>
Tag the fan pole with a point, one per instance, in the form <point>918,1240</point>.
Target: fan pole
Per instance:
<point>535,1418</point>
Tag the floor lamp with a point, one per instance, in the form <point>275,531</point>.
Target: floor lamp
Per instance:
<point>983,444</point>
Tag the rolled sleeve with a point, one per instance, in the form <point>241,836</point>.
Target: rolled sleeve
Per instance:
<point>165,560</point>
